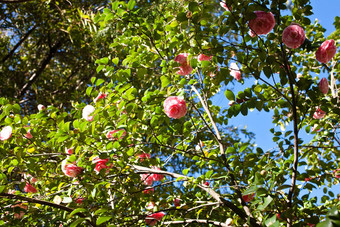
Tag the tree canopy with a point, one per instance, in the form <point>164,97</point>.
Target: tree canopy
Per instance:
<point>107,116</point>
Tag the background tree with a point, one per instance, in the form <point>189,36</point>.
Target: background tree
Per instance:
<point>137,155</point>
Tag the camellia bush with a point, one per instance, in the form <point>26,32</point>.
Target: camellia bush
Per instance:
<point>151,149</point>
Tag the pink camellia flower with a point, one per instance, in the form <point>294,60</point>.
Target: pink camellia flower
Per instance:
<point>318,114</point>
<point>293,36</point>
<point>30,189</point>
<point>143,156</point>
<point>152,219</point>
<point>87,111</point>
<point>175,107</point>
<point>6,133</point>
<point>28,134</point>
<point>148,190</point>
<point>99,97</point>
<point>177,202</point>
<point>185,68</point>
<point>326,51</point>
<point>337,173</point>
<point>235,71</point>
<point>72,170</point>
<point>181,58</point>
<point>323,85</point>
<point>112,135</point>
<point>147,178</point>
<point>224,6</point>
<point>41,107</point>
<point>101,164</point>
<point>263,23</point>
<point>203,57</point>
<point>69,150</point>
<point>22,213</point>
<point>157,177</point>
<point>79,200</point>
<point>248,198</point>
<point>206,183</point>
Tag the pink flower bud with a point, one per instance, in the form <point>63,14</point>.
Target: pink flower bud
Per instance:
<point>99,97</point>
<point>28,134</point>
<point>224,6</point>
<point>41,107</point>
<point>29,177</point>
<point>79,200</point>
<point>251,33</point>
<point>323,85</point>
<point>203,57</point>
<point>152,219</point>
<point>112,135</point>
<point>72,170</point>
<point>235,71</point>
<point>318,114</point>
<point>157,177</point>
<point>87,111</point>
<point>6,133</point>
<point>29,188</point>
<point>326,51</point>
<point>206,183</point>
<point>337,173</point>
<point>263,23</point>
<point>148,190</point>
<point>69,150</point>
<point>248,198</point>
<point>144,156</point>
<point>293,36</point>
<point>177,202</point>
<point>175,107</point>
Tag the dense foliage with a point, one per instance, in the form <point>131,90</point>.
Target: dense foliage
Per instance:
<point>128,135</point>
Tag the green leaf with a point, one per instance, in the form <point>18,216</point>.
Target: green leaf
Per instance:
<point>103,219</point>
<point>185,171</point>
<point>209,173</point>
<point>77,222</point>
<point>131,4</point>
<point>78,210</point>
<point>230,95</point>
<point>267,201</point>
<point>165,81</point>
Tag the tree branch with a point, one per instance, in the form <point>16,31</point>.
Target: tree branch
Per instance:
<point>35,75</point>
<point>203,221</point>
<point>14,1</point>
<point>19,43</point>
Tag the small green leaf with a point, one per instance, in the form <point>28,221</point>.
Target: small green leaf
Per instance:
<point>78,210</point>
<point>230,95</point>
<point>103,219</point>
<point>131,4</point>
<point>78,221</point>
<point>165,81</point>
